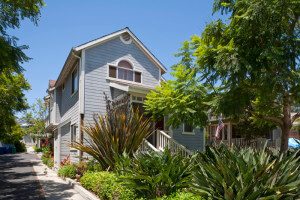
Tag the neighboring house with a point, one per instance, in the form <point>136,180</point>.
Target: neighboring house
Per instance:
<point>116,64</point>
<point>27,139</point>
<point>230,134</point>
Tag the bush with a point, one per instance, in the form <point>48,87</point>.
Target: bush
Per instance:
<point>38,149</point>
<point>45,160</point>
<point>234,173</point>
<point>94,166</point>
<point>106,185</point>
<point>20,146</point>
<point>50,163</point>
<point>181,196</point>
<point>67,171</point>
<point>155,175</point>
<point>81,167</point>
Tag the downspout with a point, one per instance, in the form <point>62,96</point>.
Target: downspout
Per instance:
<point>81,95</point>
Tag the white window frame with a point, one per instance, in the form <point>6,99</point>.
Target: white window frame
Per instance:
<point>72,132</point>
<point>187,133</point>
<point>75,91</point>
<point>117,73</point>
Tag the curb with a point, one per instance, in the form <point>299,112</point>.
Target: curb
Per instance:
<point>78,188</point>
<point>81,190</point>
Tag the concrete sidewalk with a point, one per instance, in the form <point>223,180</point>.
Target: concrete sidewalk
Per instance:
<point>54,188</point>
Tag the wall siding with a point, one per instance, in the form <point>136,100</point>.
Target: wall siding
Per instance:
<point>96,61</point>
<point>65,136</point>
<point>191,142</point>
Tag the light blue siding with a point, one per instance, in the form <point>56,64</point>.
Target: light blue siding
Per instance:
<point>191,142</point>
<point>96,72</point>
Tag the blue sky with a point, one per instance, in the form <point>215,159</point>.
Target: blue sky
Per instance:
<point>160,25</point>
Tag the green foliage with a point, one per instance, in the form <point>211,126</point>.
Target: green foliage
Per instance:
<point>184,98</point>
<point>106,185</point>
<point>12,81</point>
<point>117,132</point>
<point>234,173</point>
<point>181,196</point>
<point>20,146</point>
<point>38,149</point>
<point>250,63</point>
<point>155,175</point>
<point>67,171</point>
<point>81,167</point>
<point>94,166</point>
<point>35,116</point>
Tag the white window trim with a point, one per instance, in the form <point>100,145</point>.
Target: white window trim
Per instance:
<point>75,91</point>
<point>134,70</point>
<point>187,133</point>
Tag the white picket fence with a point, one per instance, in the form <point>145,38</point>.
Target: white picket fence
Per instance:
<point>254,143</point>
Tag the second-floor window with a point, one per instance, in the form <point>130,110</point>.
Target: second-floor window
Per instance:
<point>74,81</point>
<point>125,71</point>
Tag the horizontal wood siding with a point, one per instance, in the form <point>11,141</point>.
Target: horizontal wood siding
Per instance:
<point>65,136</point>
<point>96,61</point>
<point>69,103</point>
<point>191,142</point>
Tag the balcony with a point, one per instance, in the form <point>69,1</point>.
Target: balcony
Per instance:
<point>50,123</point>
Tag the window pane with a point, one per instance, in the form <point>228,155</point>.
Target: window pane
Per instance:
<point>188,127</point>
<point>137,77</point>
<point>125,64</point>
<point>112,72</point>
<point>129,75</point>
<point>74,81</point>
<point>121,73</point>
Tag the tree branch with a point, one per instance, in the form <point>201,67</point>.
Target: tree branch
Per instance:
<point>296,116</point>
<point>271,118</point>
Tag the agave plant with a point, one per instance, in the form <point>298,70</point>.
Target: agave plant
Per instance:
<point>249,174</point>
<point>154,174</point>
<point>116,132</point>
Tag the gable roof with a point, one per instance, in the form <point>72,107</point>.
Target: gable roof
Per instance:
<point>118,33</point>
<point>76,51</point>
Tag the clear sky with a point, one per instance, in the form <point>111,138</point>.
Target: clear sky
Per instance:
<point>160,24</point>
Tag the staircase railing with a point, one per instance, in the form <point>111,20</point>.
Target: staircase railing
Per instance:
<point>163,140</point>
<point>147,146</point>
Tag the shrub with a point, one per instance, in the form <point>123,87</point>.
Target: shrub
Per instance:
<point>93,166</point>
<point>20,146</point>
<point>234,173</point>
<point>181,196</point>
<point>155,175</point>
<point>106,185</point>
<point>67,171</point>
<point>81,167</point>
<point>38,149</point>
<point>50,163</point>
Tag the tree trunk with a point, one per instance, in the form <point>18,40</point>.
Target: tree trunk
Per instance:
<point>285,131</point>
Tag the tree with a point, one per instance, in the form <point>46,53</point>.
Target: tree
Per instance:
<point>12,81</point>
<point>35,116</point>
<point>12,99</point>
<point>250,64</point>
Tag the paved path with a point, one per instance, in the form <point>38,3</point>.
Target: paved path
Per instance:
<point>17,177</point>
<point>22,176</point>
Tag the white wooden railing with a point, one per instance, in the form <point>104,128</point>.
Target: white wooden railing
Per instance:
<point>147,146</point>
<point>163,140</point>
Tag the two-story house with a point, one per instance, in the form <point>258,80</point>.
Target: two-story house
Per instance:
<point>116,64</point>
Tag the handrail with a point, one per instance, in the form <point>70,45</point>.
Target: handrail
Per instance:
<point>145,146</point>
<point>164,140</point>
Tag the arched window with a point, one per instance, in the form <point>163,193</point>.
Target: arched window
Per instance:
<point>124,70</point>
<point>125,64</point>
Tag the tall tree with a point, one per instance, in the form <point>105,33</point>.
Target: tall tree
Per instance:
<point>12,81</point>
<point>250,63</point>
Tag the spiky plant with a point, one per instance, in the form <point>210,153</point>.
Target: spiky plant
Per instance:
<point>154,174</point>
<point>249,174</point>
<point>117,131</point>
